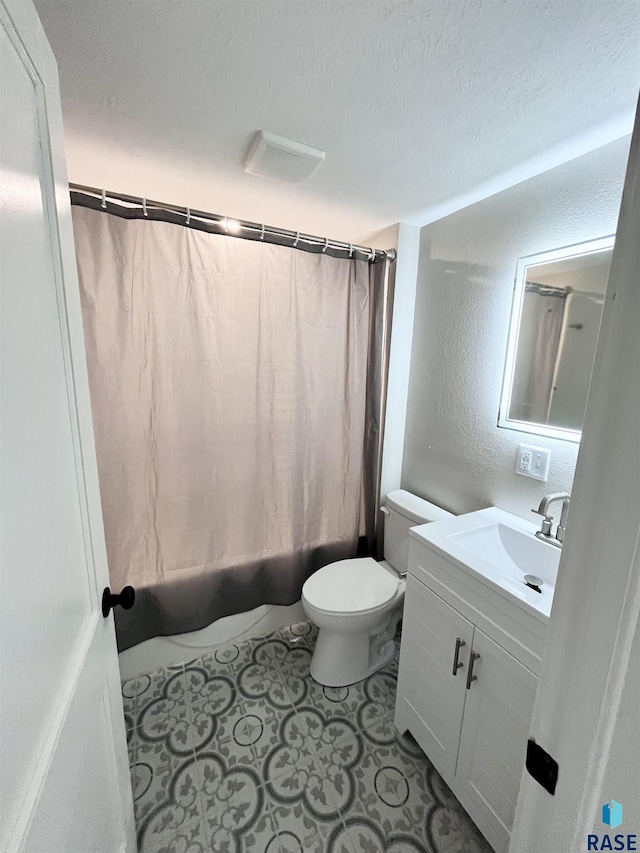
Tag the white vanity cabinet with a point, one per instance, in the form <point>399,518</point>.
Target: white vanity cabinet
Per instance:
<point>433,696</point>
<point>493,740</point>
<point>464,691</point>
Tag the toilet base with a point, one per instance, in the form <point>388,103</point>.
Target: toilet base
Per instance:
<point>341,659</point>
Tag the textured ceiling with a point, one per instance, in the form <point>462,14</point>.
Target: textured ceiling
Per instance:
<point>415,103</point>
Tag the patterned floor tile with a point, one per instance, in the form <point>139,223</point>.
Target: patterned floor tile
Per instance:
<point>301,634</point>
<point>144,695</point>
<point>289,753</point>
<point>261,728</point>
<point>245,735</point>
<point>153,766</point>
<point>190,839</point>
<point>369,702</point>
<point>241,751</point>
<point>215,705</point>
<point>226,660</point>
<point>393,793</point>
<point>366,835</point>
<point>373,700</point>
<point>171,807</point>
<point>304,814</point>
<point>450,827</point>
<point>235,810</point>
<point>467,840</point>
<point>338,763</point>
<point>294,668</point>
<point>260,678</point>
<point>340,840</point>
<point>323,732</point>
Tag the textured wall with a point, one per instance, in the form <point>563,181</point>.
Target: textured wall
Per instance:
<point>454,453</point>
<point>414,102</point>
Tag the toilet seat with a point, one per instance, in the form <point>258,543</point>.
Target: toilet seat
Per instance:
<point>350,586</point>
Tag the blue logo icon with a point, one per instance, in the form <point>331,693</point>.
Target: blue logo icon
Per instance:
<point>612,814</point>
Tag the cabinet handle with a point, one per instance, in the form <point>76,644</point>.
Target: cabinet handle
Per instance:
<point>457,663</point>
<point>470,676</point>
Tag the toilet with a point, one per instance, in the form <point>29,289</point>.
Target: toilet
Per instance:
<point>357,603</point>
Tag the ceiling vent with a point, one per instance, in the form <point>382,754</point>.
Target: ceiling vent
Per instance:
<point>282,159</point>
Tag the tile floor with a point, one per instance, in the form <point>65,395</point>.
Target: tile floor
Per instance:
<point>240,750</point>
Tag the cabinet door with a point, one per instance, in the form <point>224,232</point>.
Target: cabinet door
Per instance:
<point>430,697</point>
<point>493,744</point>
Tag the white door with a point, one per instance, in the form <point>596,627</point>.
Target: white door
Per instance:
<point>586,714</point>
<point>64,781</point>
<point>431,680</point>
<point>497,716</point>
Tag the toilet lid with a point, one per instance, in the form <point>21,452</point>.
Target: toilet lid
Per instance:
<point>349,586</point>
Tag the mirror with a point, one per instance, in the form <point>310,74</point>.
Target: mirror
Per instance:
<point>555,318</point>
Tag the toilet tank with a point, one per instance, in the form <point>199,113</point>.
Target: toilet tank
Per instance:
<point>402,511</point>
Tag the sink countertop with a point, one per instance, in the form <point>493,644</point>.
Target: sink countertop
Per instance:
<point>465,539</point>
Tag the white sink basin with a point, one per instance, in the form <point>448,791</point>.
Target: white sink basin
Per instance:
<point>501,549</point>
<point>513,551</point>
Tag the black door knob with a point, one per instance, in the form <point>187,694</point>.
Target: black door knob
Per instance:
<point>126,599</point>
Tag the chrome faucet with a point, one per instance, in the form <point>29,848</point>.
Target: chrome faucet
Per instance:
<point>545,530</point>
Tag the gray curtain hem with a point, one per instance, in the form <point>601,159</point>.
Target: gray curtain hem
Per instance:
<point>167,608</point>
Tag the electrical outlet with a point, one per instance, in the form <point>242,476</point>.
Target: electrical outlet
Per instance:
<point>533,462</point>
<point>524,463</point>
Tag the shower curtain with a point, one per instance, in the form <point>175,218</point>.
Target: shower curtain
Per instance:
<point>236,392</point>
<point>540,328</point>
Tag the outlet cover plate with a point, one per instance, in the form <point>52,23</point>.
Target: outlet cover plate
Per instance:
<point>533,462</point>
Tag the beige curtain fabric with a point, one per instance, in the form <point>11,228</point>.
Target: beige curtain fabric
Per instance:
<point>229,386</point>
<point>540,328</point>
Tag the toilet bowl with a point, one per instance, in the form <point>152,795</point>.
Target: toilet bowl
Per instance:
<point>357,603</point>
<point>368,604</point>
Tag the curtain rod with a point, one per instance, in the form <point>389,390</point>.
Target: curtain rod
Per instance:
<point>547,289</point>
<point>144,207</point>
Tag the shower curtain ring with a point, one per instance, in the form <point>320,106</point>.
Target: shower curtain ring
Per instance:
<point>262,233</point>
<point>104,200</point>
<point>188,216</point>
<point>295,242</point>
<point>326,244</point>
<point>144,207</point>
<point>350,250</point>
<point>373,256</point>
